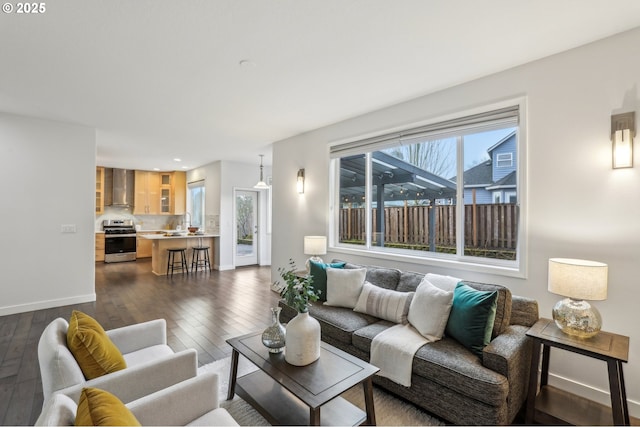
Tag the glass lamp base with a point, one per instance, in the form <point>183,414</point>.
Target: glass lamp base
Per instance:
<point>577,318</point>
<point>314,258</point>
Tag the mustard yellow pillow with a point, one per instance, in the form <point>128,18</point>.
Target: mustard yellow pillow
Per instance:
<point>100,408</point>
<point>94,351</point>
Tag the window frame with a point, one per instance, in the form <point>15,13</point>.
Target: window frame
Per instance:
<point>191,185</point>
<point>517,268</point>
<point>508,158</point>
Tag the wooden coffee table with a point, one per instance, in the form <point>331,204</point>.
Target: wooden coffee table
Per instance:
<point>293,395</point>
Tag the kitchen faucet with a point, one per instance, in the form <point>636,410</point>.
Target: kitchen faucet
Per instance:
<point>188,224</point>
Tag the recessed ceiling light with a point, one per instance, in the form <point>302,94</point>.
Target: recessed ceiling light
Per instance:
<point>247,63</point>
<point>177,160</point>
<point>185,167</point>
<point>156,169</point>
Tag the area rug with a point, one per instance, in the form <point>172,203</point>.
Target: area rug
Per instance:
<point>390,410</point>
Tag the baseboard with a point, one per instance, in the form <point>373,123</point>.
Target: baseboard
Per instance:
<point>601,396</point>
<point>41,305</point>
<point>225,267</point>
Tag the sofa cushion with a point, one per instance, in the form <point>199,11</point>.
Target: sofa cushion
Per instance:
<point>100,408</point>
<point>363,337</point>
<point>387,278</point>
<point>338,323</point>
<point>94,351</point>
<point>409,281</point>
<point>344,286</point>
<point>471,318</point>
<point>429,310</point>
<point>318,270</point>
<point>384,303</point>
<point>217,417</point>
<point>503,305</point>
<point>449,363</point>
<point>146,354</point>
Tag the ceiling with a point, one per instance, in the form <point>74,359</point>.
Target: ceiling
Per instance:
<point>165,79</point>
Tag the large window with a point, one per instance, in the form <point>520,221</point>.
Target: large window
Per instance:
<point>195,203</point>
<point>448,190</point>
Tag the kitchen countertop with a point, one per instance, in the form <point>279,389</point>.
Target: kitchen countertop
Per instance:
<point>180,236</point>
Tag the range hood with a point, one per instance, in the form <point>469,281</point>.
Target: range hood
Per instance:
<point>119,187</point>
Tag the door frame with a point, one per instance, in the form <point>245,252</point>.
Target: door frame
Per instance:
<point>257,235</point>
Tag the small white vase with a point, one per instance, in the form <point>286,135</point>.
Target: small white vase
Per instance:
<point>302,340</point>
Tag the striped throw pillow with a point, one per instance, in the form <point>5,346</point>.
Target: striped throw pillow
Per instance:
<point>384,303</point>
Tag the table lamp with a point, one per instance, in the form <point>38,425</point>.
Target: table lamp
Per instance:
<point>578,280</point>
<point>314,246</point>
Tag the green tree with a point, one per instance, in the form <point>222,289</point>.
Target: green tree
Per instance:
<point>244,217</point>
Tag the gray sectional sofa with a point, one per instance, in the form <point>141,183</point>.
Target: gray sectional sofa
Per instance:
<point>448,380</point>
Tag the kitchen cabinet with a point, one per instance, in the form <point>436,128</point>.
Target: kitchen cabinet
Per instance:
<point>178,203</point>
<point>160,193</point>
<point>99,247</point>
<point>147,193</point>
<point>144,246</point>
<point>99,190</point>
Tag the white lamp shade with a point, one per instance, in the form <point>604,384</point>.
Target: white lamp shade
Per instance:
<point>578,279</point>
<point>315,245</point>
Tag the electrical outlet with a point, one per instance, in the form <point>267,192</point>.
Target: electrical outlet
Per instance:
<point>68,228</point>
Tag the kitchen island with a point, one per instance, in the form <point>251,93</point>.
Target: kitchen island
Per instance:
<point>162,242</point>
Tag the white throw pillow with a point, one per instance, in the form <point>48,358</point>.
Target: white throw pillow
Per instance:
<point>447,283</point>
<point>344,286</point>
<point>429,310</point>
<point>384,303</point>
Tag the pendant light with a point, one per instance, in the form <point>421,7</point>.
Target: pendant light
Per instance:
<point>261,184</point>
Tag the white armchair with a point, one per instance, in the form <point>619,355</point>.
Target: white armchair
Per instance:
<point>151,363</point>
<point>191,402</point>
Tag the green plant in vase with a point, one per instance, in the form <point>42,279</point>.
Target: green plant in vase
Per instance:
<point>298,291</point>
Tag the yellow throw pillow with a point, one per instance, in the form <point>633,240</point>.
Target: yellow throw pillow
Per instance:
<point>100,408</point>
<point>94,351</point>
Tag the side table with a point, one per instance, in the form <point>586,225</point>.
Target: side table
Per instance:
<point>611,348</point>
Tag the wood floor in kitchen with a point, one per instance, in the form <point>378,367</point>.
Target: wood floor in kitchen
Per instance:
<point>202,310</point>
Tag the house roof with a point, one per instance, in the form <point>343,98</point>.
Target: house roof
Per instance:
<point>479,175</point>
<point>499,143</point>
<point>509,181</point>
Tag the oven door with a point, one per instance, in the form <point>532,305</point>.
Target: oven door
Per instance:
<point>119,247</point>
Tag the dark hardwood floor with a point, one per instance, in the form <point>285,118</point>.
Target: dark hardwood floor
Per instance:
<point>202,310</point>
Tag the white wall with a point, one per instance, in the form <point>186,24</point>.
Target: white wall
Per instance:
<point>578,207</point>
<point>221,180</point>
<point>47,174</point>
<point>210,173</point>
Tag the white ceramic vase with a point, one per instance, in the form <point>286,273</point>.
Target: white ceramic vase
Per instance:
<point>302,340</point>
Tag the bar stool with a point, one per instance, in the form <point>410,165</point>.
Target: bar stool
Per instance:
<point>173,264</point>
<point>197,261</point>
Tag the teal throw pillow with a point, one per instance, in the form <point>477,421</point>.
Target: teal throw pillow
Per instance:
<point>318,270</point>
<point>471,318</point>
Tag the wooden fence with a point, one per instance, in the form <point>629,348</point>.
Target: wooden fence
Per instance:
<point>491,226</point>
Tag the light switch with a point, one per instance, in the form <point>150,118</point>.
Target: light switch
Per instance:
<point>68,228</point>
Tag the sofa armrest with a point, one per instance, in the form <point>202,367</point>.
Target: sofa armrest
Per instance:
<point>132,383</point>
<point>179,404</point>
<point>524,311</point>
<point>509,354</point>
<point>141,335</point>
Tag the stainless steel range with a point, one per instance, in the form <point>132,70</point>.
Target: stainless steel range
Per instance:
<point>119,240</point>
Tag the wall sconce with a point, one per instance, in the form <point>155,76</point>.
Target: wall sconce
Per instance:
<point>623,128</point>
<point>300,181</point>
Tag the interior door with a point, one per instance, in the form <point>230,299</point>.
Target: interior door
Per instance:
<point>246,214</point>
